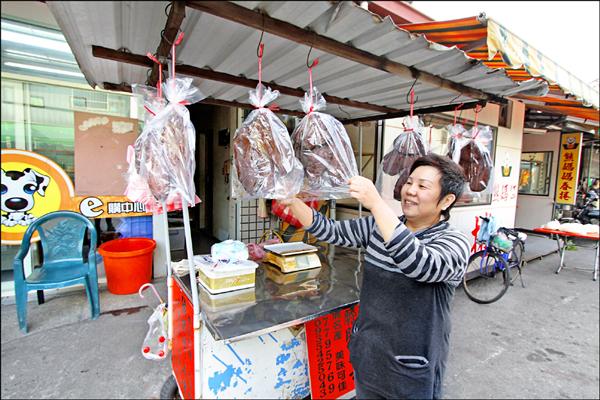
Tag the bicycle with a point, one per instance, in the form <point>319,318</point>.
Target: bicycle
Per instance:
<point>491,271</point>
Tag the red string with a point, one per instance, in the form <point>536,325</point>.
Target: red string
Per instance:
<point>160,80</point>
<point>272,107</point>
<point>456,111</point>
<point>314,63</point>
<point>310,90</point>
<point>260,56</point>
<point>159,84</point>
<point>149,110</point>
<point>477,111</point>
<point>430,137</point>
<point>173,64</point>
<point>175,44</point>
<point>412,104</point>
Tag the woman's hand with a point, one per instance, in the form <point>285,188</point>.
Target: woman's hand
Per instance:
<point>298,209</point>
<point>363,190</point>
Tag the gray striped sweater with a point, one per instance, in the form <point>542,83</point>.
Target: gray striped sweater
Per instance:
<point>437,254</point>
<point>400,340</point>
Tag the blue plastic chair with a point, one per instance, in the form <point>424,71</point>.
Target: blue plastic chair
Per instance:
<point>61,234</point>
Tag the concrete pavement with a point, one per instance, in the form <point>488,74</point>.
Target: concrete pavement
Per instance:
<point>540,341</point>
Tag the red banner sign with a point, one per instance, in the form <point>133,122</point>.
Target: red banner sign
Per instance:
<point>330,371</point>
<point>182,356</point>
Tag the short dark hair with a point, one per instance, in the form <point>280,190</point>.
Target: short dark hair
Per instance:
<point>452,180</point>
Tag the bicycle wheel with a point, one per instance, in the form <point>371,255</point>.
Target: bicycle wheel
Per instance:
<point>486,278</point>
<point>515,260</point>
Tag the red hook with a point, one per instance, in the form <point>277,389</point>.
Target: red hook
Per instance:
<point>458,107</point>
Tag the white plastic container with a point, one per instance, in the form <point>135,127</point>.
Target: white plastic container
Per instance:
<point>219,277</point>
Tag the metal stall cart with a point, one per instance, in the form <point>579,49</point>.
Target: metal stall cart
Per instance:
<point>284,338</point>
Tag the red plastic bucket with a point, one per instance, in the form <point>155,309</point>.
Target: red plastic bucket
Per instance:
<point>128,263</point>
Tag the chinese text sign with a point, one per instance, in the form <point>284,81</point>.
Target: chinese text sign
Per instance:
<point>568,168</point>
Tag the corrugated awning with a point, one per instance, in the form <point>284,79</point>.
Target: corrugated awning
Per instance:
<point>366,67</point>
<point>486,40</point>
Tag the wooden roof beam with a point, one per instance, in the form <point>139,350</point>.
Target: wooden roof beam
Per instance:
<point>174,21</point>
<point>428,110</point>
<point>124,87</point>
<point>260,21</point>
<point>137,59</point>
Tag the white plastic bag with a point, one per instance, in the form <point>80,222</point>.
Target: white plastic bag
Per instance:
<point>264,164</point>
<point>457,139</point>
<point>325,151</point>
<point>394,169</point>
<point>155,346</point>
<point>164,152</point>
<point>229,250</point>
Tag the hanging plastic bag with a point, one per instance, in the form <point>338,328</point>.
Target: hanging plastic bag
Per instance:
<point>137,187</point>
<point>488,228</point>
<point>162,167</point>
<point>395,167</point>
<point>475,158</point>
<point>325,151</point>
<point>165,151</point>
<point>154,102</point>
<point>264,164</point>
<point>148,182</point>
<point>457,139</point>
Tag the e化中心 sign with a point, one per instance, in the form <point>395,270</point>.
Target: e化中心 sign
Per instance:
<point>33,186</point>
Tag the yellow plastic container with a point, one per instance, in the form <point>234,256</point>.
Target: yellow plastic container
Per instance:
<point>238,299</point>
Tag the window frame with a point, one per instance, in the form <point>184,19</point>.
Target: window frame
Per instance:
<point>548,178</point>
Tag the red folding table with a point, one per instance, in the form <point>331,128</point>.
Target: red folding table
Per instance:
<point>561,236</point>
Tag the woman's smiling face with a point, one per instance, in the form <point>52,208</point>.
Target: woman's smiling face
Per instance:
<point>421,195</point>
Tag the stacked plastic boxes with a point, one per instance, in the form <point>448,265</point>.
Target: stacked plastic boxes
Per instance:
<point>139,227</point>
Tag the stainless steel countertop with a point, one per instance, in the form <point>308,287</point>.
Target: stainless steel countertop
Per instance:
<point>269,306</point>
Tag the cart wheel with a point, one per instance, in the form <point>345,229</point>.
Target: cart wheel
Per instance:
<point>169,389</point>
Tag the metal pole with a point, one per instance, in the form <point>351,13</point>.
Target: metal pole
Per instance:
<point>194,290</point>
<point>190,256</point>
<point>360,162</point>
<point>360,172</point>
<point>360,168</point>
<point>169,277</point>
